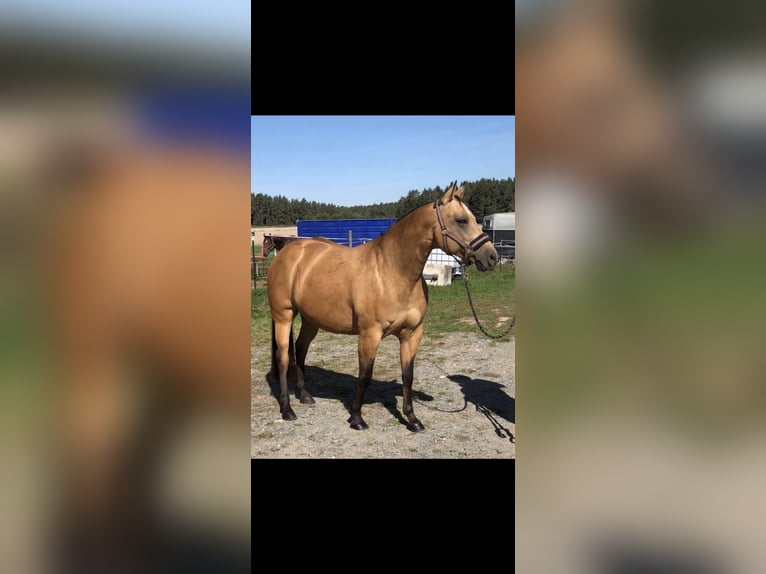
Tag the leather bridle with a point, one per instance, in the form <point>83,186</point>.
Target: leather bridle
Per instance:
<point>468,248</point>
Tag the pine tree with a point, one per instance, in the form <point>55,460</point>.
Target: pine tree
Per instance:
<point>484,197</point>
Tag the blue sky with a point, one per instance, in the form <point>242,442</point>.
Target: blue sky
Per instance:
<point>359,160</point>
<point>220,24</point>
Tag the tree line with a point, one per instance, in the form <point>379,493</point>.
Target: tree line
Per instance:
<point>484,197</point>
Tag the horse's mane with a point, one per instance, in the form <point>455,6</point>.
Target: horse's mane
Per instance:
<point>401,217</point>
<point>398,219</point>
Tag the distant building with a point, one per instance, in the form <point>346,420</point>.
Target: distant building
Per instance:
<point>501,228</point>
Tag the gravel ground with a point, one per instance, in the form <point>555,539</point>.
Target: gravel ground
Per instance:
<point>464,395</point>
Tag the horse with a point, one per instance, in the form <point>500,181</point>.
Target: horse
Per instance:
<point>271,242</point>
<point>373,290</point>
<point>267,246</point>
<point>135,299</point>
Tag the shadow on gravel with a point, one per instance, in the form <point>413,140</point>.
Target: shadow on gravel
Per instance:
<point>324,384</point>
<point>490,399</point>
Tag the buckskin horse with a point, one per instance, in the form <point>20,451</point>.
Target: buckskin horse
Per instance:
<point>135,299</point>
<point>373,290</point>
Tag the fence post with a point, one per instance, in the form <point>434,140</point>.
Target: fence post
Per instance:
<point>253,264</point>
<point>350,240</point>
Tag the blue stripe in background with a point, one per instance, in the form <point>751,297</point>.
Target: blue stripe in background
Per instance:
<point>210,114</point>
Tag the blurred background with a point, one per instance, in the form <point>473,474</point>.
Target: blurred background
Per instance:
<point>124,379</point>
<point>641,140</point>
<point>641,172</point>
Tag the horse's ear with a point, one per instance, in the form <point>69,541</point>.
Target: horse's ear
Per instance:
<point>447,197</point>
<point>459,192</point>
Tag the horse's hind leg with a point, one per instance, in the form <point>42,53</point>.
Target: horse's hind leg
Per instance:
<point>368,348</point>
<point>282,336</point>
<point>307,334</point>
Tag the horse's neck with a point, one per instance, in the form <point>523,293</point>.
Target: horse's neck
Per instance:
<point>406,248</point>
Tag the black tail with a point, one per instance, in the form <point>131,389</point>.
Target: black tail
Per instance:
<point>291,348</point>
<point>290,351</point>
<point>274,370</point>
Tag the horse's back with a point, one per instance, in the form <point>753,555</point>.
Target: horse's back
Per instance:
<point>142,290</point>
<point>303,259</point>
<point>314,277</point>
<point>296,258</point>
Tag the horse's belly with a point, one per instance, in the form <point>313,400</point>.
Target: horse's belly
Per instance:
<point>333,318</point>
<point>329,309</point>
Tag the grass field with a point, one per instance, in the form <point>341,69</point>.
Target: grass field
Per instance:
<point>448,308</point>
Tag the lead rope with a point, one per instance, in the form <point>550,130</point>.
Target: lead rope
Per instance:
<point>473,309</point>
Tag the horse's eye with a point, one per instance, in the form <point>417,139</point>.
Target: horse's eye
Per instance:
<point>461,221</point>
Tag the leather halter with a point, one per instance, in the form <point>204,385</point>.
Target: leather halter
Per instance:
<point>468,248</point>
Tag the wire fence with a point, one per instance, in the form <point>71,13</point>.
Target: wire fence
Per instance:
<point>259,266</point>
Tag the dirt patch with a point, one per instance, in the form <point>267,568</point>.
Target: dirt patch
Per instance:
<point>464,395</point>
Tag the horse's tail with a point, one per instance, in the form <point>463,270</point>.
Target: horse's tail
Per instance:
<point>274,354</point>
<point>274,370</point>
<point>291,348</point>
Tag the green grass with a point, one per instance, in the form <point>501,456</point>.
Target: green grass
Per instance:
<point>493,297</point>
<point>260,318</point>
<point>673,328</point>
<point>448,308</point>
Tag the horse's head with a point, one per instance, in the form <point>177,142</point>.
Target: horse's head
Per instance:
<point>459,234</point>
<point>268,245</point>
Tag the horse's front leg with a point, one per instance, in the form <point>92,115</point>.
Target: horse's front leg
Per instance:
<point>409,341</point>
<point>368,348</point>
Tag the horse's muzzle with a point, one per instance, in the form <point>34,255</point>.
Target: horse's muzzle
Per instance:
<point>485,259</point>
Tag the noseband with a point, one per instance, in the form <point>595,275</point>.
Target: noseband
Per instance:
<point>469,247</point>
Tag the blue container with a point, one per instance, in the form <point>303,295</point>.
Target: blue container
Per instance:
<point>362,230</point>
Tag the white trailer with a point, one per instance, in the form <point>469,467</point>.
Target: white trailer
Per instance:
<point>501,228</point>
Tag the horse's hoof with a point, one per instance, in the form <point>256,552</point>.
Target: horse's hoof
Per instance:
<point>416,426</point>
<point>359,426</point>
<point>307,400</point>
<point>289,415</point>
